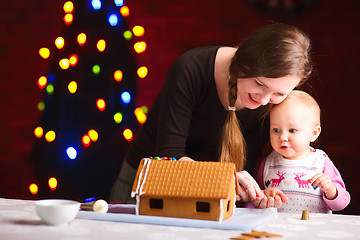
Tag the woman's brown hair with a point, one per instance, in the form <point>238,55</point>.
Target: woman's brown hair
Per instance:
<point>273,51</point>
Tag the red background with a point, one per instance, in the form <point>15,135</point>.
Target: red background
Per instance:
<point>171,28</point>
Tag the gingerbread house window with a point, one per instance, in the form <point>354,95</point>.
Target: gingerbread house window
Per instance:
<point>156,203</point>
<point>202,206</point>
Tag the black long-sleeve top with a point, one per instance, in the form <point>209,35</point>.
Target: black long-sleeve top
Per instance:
<point>187,117</point>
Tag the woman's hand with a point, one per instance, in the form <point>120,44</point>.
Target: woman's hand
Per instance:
<point>249,190</point>
<point>274,198</point>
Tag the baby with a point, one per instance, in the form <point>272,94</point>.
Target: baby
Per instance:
<point>305,175</point>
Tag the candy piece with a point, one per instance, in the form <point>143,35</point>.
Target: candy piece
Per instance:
<point>99,206</point>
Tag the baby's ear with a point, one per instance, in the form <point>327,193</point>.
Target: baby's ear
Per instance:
<point>315,133</point>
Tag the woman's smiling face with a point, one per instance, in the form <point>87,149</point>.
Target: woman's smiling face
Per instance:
<point>254,92</point>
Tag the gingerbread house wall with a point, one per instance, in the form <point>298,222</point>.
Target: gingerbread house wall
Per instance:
<point>187,207</point>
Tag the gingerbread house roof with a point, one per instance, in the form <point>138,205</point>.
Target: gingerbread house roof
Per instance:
<point>184,179</point>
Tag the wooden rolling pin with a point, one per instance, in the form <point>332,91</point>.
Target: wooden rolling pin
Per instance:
<point>99,206</point>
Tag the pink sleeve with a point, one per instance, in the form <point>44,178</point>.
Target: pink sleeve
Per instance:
<point>343,198</point>
<point>260,175</point>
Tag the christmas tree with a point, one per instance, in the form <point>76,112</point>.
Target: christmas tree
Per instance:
<point>89,115</point>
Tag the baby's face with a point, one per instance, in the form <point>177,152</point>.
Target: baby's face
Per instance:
<point>292,130</point>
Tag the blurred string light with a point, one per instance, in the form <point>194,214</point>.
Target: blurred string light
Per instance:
<point>118,75</point>
<point>93,134</point>
<point>118,117</point>
<point>119,3</point>
<point>142,72</point>
<point>140,115</point>
<point>125,11</point>
<point>126,97</point>
<point>72,87</point>
<point>44,52</point>
<point>101,45</point>
<point>138,31</point>
<point>128,135</point>
<point>33,188</point>
<point>86,140</point>
<point>59,42</point>
<point>100,103</point>
<point>53,183</point>
<point>38,132</point>
<point>68,18</point>
<point>127,35</point>
<point>41,106</point>
<point>96,4</point>
<point>51,78</point>
<point>68,7</point>
<point>96,69</point>
<point>71,152</point>
<point>113,20</point>
<point>145,109</point>
<point>81,39</point>
<point>64,63</point>
<point>50,136</point>
<point>140,47</point>
<point>73,60</point>
<point>49,89</point>
<point>41,82</point>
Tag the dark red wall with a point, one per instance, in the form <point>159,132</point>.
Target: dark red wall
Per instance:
<point>171,28</point>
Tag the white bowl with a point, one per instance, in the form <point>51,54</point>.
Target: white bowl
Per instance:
<point>57,211</point>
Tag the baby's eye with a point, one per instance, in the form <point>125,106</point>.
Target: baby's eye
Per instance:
<point>292,130</point>
<point>276,130</point>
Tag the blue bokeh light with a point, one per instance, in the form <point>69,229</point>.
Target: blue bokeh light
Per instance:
<point>71,152</point>
<point>96,4</point>
<point>126,97</point>
<point>113,20</point>
<point>119,3</point>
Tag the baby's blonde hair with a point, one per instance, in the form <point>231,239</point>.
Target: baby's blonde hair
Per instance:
<point>301,97</point>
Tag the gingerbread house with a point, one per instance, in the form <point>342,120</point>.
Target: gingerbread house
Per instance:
<point>197,190</point>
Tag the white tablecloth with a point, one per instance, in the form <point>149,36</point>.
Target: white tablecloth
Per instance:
<point>18,220</point>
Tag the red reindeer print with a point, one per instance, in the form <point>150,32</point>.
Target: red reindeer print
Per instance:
<point>302,183</point>
<point>276,181</point>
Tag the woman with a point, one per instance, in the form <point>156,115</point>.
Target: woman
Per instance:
<point>211,105</point>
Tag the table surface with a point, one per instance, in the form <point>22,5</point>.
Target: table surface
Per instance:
<point>18,220</point>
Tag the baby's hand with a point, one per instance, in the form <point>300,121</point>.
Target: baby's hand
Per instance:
<point>324,182</point>
<point>274,198</point>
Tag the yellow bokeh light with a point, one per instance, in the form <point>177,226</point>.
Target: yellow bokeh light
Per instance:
<point>64,63</point>
<point>68,18</point>
<point>68,7</point>
<point>124,11</point>
<point>142,72</point>
<point>100,103</point>
<point>86,140</point>
<point>50,136</point>
<point>101,45</point>
<point>73,59</point>
<point>33,188</point>
<point>118,117</point>
<point>72,86</point>
<point>128,135</point>
<point>59,42</point>
<point>140,47</point>
<point>94,136</point>
<point>53,183</point>
<point>118,75</point>
<point>38,132</point>
<point>140,115</point>
<point>81,39</point>
<point>44,52</point>
<point>138,31</point>
<point>41,106</point>
<point>42,81</point>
